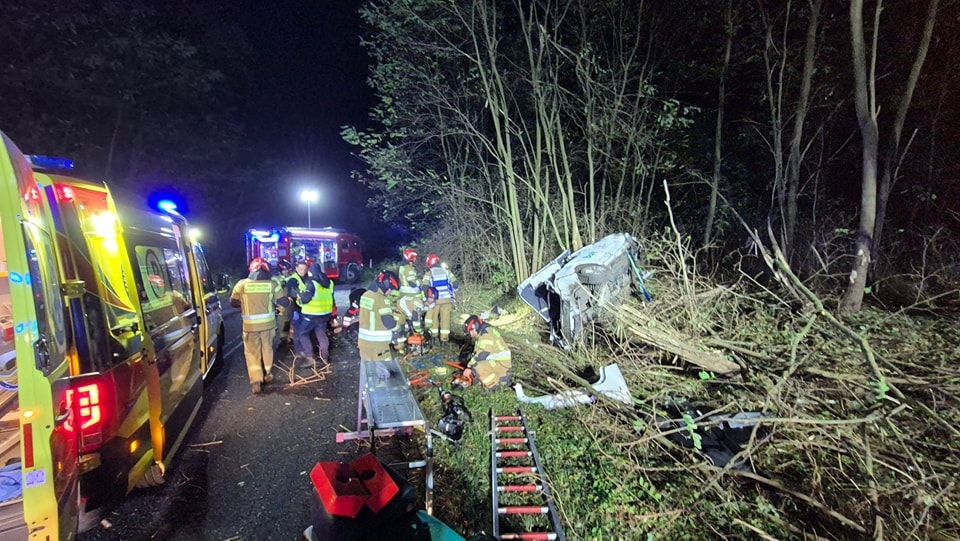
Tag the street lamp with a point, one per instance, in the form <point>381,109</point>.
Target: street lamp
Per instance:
<point>308,196</point>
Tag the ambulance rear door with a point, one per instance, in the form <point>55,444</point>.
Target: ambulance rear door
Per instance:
<point>48,441</point>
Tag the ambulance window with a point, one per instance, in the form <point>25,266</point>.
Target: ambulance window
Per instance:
<point>203,271</point>
<point>160,287</point>
<point>46,293</point>
<point>179,288</point>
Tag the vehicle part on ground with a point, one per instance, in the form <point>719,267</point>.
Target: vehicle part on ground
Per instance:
<point>577,290</point>
<point>611,384</point>
<point>719,438</point>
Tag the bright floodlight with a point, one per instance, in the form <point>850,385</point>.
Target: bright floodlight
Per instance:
<point>309,196</point>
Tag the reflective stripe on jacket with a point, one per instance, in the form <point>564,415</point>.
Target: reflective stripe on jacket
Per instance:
<point>256,304</point>
<point>442,280</point>
<point>373,306</point>
<point>409,285</point>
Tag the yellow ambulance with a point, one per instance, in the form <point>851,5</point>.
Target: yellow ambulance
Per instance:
<point>110,323</point>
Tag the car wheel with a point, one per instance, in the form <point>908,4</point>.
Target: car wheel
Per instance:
<point>593,275</point>
<point>352,274</point>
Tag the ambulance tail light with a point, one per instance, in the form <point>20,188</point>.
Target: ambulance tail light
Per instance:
<point>91,399</point>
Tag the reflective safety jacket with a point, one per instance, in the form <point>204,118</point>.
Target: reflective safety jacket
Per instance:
<point>409,282</point>
<point>441,279</point>
<point>377,325</point>
<point>321,303</point>
<point>294,285</point>
<point>491,356</point>
<point>256,298</point>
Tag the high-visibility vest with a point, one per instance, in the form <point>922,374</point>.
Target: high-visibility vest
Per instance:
<point>321,303</point>
<point>256,304</point>
<point>300,285</point>
<point>373,306</point>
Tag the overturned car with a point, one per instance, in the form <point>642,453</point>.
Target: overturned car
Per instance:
<point>576,290</point>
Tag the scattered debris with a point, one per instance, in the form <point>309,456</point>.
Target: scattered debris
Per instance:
<point>718,437</point>
<point>208,444</point>
<point>611,384</point>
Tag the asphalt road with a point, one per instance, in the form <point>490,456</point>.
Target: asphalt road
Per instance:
<point>243,471</point>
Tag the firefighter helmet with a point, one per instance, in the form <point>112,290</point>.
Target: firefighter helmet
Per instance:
<point>259,263</point>
<point>433,259</point>
<point>283,265</point>
<point>472,323</point>
<point>410,255</point>
<point>388,280</point>
<point>432,293</point>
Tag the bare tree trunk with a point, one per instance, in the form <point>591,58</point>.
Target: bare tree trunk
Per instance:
<point>893,145</point>
<point>800,115</point>
<point>715,183</point>
<point>864,97</point>
<point>113,142</point>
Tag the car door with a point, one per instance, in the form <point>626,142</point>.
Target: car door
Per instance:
<point>48,440</point>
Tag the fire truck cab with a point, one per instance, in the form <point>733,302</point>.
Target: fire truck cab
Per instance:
<point>340,253</point>
<point>110,323</point>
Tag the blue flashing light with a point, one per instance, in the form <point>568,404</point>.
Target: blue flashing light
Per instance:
<point>167,205</point>
<point>49,162</point>
<point>16,277</point>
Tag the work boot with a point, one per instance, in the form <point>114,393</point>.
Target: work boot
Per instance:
<point>255,387</point>
<point>268,378</point>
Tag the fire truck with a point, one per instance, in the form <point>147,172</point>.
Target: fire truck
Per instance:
<point>339,253</point>
<point>111,321</point>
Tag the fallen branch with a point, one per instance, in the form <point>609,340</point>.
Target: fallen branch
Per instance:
<point>809,500</point>
<point>208,444</point>
<point>647,330</point>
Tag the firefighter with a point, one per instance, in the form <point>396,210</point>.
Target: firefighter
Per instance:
<point>316,307</point>
<point>350,316</point>
<point>257,300</point>
<point>445,283</point>
<point>284,329</point>
<point>378,326</point>
<point>430,310</point>
<point>409,303</point>
<point>490,362</point>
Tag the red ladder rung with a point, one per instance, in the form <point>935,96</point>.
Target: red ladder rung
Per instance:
<point>520,488</point>
<point>517,469</point>
<point>509,429</point>
<point>511,441</point>
<point>508,418</point>
<point>529,536</point>
<point>513,454</point>
<point>523,510</point>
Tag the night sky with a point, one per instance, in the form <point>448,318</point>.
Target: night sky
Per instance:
<point>307,79</point>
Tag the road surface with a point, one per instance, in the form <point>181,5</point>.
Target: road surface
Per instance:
<point>242,473</point>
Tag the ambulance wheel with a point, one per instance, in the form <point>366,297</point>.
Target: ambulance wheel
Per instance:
<point>153,477</point>
<point>351,274</point>
<point>87,519</point>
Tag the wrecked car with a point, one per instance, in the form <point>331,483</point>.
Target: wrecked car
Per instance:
<point>576,290</point>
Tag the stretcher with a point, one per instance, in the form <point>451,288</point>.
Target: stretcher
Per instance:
<point>387,407</point>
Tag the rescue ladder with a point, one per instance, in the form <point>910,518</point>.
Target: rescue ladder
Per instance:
<point>513,456</point>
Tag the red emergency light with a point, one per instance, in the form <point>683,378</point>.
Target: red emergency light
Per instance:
<point>90,398</point>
